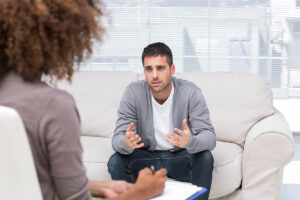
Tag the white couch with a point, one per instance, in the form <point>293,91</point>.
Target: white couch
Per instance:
<point>254,141</point>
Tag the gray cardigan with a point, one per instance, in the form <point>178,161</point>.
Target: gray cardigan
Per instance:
<point>188,103</point>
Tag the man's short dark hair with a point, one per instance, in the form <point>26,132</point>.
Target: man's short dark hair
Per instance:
<point>158,49</point>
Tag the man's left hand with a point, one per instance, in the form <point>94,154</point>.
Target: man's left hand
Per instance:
<point>182,138</point>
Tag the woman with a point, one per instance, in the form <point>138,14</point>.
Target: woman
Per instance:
<point>45,37</point>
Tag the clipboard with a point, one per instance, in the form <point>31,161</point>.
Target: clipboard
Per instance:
<point>180,190</point>
<point>197,194</point>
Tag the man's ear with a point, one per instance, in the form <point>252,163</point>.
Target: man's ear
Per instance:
<point>173,69</point>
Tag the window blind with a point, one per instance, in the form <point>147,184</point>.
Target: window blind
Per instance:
<point>256,36</point>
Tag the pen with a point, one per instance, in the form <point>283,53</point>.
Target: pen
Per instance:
<point>152,169</point>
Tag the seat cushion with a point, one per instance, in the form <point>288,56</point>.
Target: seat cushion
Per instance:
<point>96,153</point>
<point>227,174</point>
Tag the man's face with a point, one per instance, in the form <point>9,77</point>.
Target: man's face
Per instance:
<point>158,73</point>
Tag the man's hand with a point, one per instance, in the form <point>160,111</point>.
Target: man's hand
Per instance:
<point>182,139</point>
<point>150,184</point>
<point>131,139</point>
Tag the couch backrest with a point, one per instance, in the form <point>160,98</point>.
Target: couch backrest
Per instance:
<point>236,101</point>
<point>97,95</point>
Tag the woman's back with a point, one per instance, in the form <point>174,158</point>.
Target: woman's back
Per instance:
<point>52,124</point>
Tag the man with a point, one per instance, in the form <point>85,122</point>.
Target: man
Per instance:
<point>163,121</point>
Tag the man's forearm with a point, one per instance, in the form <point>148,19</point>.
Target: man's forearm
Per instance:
<point>203,141</point>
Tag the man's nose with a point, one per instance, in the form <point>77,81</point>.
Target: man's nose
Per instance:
<point>155,74</point>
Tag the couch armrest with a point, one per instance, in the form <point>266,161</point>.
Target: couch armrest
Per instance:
<point>269,146</point>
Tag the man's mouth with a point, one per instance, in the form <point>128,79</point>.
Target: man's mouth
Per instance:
<point>156,83</point>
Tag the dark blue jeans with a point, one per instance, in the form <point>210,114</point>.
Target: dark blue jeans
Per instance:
<point>195,168</point>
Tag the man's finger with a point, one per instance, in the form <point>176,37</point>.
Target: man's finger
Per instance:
<point>179,131</point>
<point>136,139</point>
<point>169,136</point>
<point>174,137</point>
<point>139,145</point>
<point>129,134</point>
<point>129,137</point>
<point>129,129</point>
<point>171,141</point>
<point>185,126</point>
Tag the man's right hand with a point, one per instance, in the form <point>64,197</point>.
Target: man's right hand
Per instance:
<point>150,184</point>
<point>131,139</point>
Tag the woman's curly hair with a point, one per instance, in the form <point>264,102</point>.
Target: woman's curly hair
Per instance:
<point>47,36</point>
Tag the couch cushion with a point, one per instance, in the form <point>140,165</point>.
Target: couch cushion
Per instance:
<point>96,153</point>
<point>227,174</point>
<point>236,101</point>
<point>97,95</point>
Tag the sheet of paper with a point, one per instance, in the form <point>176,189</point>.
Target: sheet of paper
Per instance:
<point>177,190</point>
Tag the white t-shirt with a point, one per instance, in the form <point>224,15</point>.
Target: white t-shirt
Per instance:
<point>162,120</point>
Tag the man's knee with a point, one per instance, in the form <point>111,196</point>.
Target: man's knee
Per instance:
<point>118,168</point>
<point>206,158</point>
<point>115,163</point>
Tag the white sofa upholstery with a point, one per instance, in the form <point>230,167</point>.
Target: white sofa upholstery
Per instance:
<point>254,142</point>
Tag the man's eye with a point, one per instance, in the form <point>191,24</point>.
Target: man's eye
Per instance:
<point>160,67</point>
<point>148,69</point>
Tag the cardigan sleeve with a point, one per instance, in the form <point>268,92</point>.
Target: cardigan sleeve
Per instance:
<point>202,132</point>
<point>126,114</point>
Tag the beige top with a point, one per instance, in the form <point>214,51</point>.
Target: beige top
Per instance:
<point>53,127</point>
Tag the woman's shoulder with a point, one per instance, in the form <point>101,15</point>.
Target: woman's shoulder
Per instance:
<point>56,97</point>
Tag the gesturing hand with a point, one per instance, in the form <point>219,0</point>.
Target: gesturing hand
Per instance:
<point>131,139</point>
<point>182,139</point>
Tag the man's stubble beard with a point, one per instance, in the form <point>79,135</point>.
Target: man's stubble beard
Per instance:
<point>164,87</point>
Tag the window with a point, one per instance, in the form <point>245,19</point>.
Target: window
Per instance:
<point>298,3</point>
<point>256,36</point>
